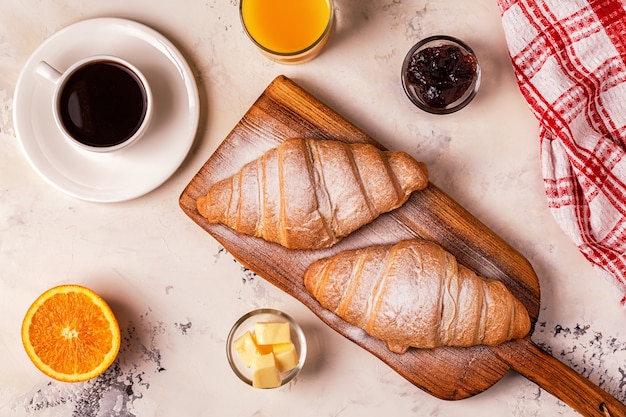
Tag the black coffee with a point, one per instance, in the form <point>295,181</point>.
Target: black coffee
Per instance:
<point>102,104</point>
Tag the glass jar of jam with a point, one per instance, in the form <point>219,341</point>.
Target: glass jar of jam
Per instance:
<point>440,74</point>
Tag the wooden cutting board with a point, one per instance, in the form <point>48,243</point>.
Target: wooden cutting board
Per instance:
<point>285,110</point>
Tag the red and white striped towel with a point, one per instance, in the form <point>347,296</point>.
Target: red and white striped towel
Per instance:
<point>569,58</point>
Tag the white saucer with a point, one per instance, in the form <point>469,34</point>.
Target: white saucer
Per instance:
<point>130,172</point>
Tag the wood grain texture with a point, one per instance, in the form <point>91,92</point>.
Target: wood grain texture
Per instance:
<point>285,110</point>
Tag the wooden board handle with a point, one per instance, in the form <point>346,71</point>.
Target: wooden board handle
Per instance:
<point>558,379</point>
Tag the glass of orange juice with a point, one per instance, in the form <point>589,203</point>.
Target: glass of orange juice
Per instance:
<point>288,31</point>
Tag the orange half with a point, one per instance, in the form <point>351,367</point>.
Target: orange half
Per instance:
<point>71,334</point>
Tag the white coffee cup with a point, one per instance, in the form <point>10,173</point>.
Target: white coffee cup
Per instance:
<point>101,103</point>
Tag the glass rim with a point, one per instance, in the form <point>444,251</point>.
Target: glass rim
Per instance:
<point>318,41</point>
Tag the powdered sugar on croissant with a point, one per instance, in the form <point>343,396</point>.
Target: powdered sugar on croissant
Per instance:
<point>414,293</point>
<point>309,193</point>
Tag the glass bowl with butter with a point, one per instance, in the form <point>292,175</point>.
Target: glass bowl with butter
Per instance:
<point>266,348</point>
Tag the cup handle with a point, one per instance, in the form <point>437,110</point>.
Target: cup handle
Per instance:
<point>47,71</point>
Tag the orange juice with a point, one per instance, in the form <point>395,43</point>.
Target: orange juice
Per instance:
<point>286,27</point>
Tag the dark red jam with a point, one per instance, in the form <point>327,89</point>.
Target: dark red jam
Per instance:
<point>441,75</point>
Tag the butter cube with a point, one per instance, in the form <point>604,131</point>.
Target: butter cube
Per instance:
<point>264,372</point>
<point>248,349</point>
<point>263,349</point>
<point>272,333</point>
<point>286,356</point>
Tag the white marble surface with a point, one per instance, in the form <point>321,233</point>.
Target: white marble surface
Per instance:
<point>176,292</point>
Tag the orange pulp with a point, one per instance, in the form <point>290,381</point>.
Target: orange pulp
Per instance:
<point>70,333</point>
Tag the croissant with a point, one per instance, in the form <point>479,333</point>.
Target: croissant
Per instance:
<point>309,194</point>
<point>414,293</point>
